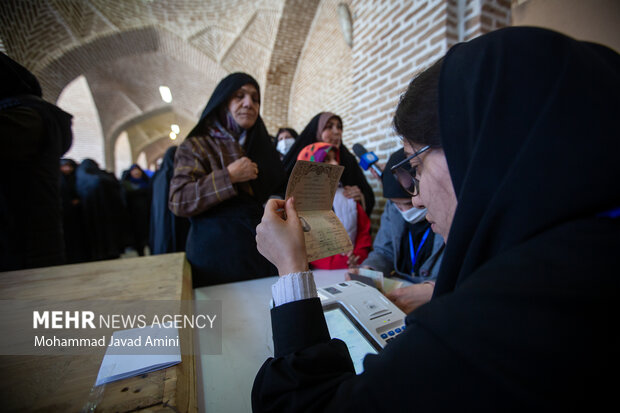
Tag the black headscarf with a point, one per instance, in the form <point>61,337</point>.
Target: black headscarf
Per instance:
<point>168,232</point>
<point>529,125</point>
<point>529,279</point>
<point>352,174</point>
<point>391,187</point>
<point>17,80</point>
<point>258,146</point>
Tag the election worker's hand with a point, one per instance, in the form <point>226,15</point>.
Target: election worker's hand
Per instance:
<point>280,237</point>
<point>411,297</point>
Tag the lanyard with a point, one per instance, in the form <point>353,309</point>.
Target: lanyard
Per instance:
<point>612,213</point>
<point>413,253</point>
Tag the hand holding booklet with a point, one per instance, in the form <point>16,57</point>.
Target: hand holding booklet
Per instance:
<point>313,185</point>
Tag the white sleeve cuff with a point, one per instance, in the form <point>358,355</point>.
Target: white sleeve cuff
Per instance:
<point>293,287</point>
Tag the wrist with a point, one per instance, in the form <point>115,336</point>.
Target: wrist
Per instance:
<point>293,267</point>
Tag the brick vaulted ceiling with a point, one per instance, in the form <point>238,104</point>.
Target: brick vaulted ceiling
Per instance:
<point>126,49</point>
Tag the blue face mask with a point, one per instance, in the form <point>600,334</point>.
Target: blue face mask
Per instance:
<point>413,215</point>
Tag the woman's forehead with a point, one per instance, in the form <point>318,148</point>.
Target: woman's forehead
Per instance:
<point>410,148</point>
<point>249,88</point>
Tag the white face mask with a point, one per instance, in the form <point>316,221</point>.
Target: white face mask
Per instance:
<point>284,145</point>
<point>413,215</point>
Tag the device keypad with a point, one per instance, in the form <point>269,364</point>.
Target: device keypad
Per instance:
<point>391,335</point>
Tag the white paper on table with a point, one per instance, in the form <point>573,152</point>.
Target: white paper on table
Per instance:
<point>120,366</point>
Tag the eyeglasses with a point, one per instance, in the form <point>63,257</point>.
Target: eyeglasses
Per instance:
<point>405,174</point>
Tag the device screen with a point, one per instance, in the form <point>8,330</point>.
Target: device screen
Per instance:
<point>341,327</point>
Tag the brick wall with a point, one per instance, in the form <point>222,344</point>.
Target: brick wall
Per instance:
<point>392,43</point>
<point>324,72</point>
<point>293,28</point>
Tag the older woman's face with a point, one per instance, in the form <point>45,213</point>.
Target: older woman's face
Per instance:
<point>244,106</point>
<point>436,190</point>
<point>332,132</point>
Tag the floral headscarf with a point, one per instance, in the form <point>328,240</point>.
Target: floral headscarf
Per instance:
<point>317,152</point>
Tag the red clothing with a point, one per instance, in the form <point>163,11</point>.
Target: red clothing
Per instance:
<point>361,246</point>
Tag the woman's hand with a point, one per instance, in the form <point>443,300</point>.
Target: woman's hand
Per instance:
<point>280,238</point>
<point>352,260</point>
<point>353,192</point>
<point>242,170</point>
<point>411,297</point>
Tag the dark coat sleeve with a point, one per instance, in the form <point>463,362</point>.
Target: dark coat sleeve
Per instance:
<point>312,373</point>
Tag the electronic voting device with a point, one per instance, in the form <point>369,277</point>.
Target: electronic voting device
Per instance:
<point>360,316</point>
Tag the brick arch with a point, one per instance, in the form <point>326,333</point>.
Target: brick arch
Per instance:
<point>81,59</point>
<point>293,29</point>
<point>110,143</point>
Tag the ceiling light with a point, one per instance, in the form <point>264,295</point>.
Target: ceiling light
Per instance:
<point>175,128</point>
<point>165,93</point>
<point>173,135</point>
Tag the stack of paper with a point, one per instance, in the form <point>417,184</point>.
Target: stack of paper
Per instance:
<point>117,366</point>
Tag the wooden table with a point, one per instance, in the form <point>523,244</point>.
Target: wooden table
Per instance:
<point>65,383</point>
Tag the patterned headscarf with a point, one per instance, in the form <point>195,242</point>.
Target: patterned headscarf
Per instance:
<point>317,152</point>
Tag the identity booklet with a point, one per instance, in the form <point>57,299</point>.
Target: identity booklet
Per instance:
<point>314,185</point>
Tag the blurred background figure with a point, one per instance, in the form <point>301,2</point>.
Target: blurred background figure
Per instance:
<point>72,216</point>
<point>137,194</point>
<point>105,215</point>
<point>34,134</point>
<point>168,232</point>
<point>285,138</point>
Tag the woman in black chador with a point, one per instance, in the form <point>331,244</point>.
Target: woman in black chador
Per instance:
<point>34,134</point>
<point>72,215</point>
<point>105,215</point>
<point>137,191</point>
<point>224,172</point>
<point>168,232</point>
<point>513,142</point>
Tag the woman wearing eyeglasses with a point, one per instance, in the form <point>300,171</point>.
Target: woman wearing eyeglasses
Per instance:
<point>513,144</point>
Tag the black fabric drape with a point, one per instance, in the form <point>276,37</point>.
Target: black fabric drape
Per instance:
<point>523,315</point>
<point>352,174</point>
<point>168,233</point>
